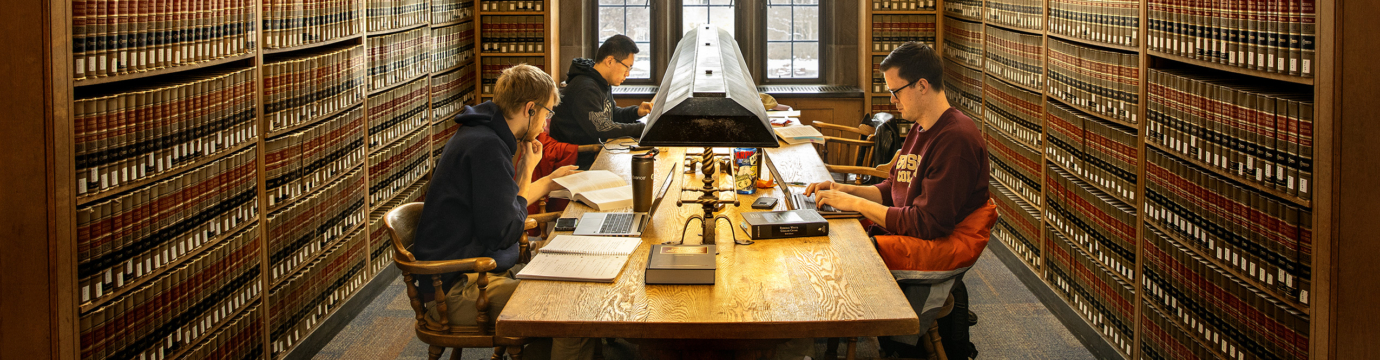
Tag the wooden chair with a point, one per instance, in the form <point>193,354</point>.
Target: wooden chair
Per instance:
<point>401,223</point>
<point>839,151</point>
<point>930,340</point>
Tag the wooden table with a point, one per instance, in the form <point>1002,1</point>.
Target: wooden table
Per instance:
<point>834,286</point>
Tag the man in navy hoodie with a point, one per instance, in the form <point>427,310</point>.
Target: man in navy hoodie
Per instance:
<point>478,199</point>
<point>588,113</point>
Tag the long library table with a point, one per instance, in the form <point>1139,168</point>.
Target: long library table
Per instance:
<point>764,293</point>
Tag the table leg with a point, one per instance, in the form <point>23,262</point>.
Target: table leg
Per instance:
<point>696,349</point>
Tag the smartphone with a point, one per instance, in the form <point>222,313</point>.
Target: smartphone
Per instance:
<point>566,224</point>
<point>764,202</point>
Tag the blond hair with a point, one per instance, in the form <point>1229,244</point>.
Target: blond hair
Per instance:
<point>522,83</point>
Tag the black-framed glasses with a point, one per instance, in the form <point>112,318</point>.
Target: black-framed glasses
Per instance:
<point>549,113</point>
<point>626,65</point>
<point>893,92</point>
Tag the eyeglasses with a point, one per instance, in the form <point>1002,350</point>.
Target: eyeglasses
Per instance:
<point>893,92</point>
<point>625,65</point>
<point>549,113</point>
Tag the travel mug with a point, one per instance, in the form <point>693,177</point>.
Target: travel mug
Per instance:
<point>642,168</point>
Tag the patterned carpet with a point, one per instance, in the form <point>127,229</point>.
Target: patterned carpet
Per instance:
<point>1012,324</point>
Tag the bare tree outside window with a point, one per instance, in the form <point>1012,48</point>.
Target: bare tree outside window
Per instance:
<point>695,13</point>
<point>632,18</point>
<point>793,39</point>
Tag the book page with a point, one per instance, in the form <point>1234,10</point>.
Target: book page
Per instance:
<point>571,267</point>
<point>799,132</point>
<point>589,181</point>
<point>592,245</point>
<point>608,199</point>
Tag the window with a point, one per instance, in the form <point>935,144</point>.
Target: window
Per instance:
<point>632,18</point>
<point>792,32</point>
<point>707,12</point>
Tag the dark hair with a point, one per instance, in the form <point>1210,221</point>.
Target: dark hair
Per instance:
<point>618,46</point>
<point>916,61</point>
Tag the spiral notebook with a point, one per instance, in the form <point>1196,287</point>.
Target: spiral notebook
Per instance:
<point>581,258</point>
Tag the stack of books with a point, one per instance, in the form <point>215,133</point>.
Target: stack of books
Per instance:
<point>1272,36</point>
<point>512,34</point>
<point>304,88</point>
<point>1015,165</point>
<point>398,57</point>
<point>299,232</point>
<point>963,42</point>
<point>300,304</point>
<point>1107,21</point>
<point>1018,226</point>
<point>444,11</point>
<point>394,14</point>
<point>396,167</point>
<point>1023,14</point>
<point>1016,57</point>
<point>451,45</point>
<point>890,31</point>
<point>1014,110</point>
<point>398,112</point>
<point>1092,290</point>
<point>111,38</point>
<point>303,160</point>
<point>964,87</point>
<point>1104,227</point>
<point>1104,82</point>
<point>289,23</point>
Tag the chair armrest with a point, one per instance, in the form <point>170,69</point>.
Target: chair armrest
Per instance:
<point>829,139</point>
<point>478,264</point>
<point>591,148</point>
<point>825,125</point>
<point>860,170</point>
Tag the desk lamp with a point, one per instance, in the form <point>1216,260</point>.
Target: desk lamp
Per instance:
<point>708,99</point>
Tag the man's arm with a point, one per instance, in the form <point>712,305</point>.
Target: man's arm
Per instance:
<point>867,192</point>
<point>586,108</point>
<point>626,114</point>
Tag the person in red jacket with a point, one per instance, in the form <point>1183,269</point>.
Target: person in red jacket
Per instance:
<point>934,208</point>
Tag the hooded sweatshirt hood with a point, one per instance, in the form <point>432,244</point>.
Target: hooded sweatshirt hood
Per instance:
<point>585,67</point>
<point>487,114</point>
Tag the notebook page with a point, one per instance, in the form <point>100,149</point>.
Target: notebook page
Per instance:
<point>591,245</point>
<point>590,181</point>
<point>572,267</point>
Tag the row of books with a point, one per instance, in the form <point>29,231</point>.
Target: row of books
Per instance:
<point>239,338</point>
<point>1259,134</point>
<point>512,34</point>
<point>963,42</point>
<point>1253,235</point>
<point>1015,56</point>
<point>897,5</point>
<point>1106,21</point>
<point>1099,224</point>
<point>300,162</point>
<point>878,80</point>
<point>147,131</point>
<point>1104,300</point>
<point>396,113</point>
<point>112,38</point>
<point>966,8</point>
<point>1161,339</point>
<point>1229,315</point>
<point>398,57</point>
<point>1014,110</point>
<point>398,166</point>
<point>890,31</point>
<point>444,11</point>
<point>1015,165</point>
<point>382,15</point>
<point>450,92</point>
<point>380,242</point>
<point>126,239</point>
<point>1022,14</point>
<point>491,67</point>
<point>1104,82</point>
<point>299,305</point>
<point>289,23</point>
<point>1018,226</point>
<point>451,45</point>
<point>441,132</point>
<point>1272,36</point>
<point>1097,151</point>
<point>512,5</point>
<point>964,88</point>
<point>306,87</point>
<point>309,226</point>
<point>883,104</point>
<point>170,314</point>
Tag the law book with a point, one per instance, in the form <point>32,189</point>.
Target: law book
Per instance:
<point>580,258</point>
<point>397,167</point>
<point>681,265</point>
<point>799,134</point>
<point>599,189</point>
<point>785,224</point>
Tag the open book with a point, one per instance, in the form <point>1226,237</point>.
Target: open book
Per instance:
<point>600,189</point>
<point>799,134</point>
<point>581,258</point>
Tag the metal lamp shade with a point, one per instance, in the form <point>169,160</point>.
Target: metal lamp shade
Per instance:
<point>708,98</point>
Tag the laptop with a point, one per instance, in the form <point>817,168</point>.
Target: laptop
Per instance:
<point>800,201</point>
<point>622,224</point>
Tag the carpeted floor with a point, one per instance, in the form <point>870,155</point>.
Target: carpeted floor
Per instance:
<point>1012,324</point>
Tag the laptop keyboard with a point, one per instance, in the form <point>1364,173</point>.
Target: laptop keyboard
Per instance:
<point>617,223</point>
<point>808,203</point>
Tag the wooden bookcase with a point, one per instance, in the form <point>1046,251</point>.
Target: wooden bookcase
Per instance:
<point>867,49</point>
<point>551,56</point>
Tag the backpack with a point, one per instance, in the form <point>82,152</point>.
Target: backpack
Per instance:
<point>891,134</point>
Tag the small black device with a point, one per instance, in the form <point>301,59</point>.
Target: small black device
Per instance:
<point>765,202</point>
<point>566,224</point>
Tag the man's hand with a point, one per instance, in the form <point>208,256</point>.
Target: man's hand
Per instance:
<point>821,186</point>
<point>644,109</point>
<point>557,174</point>
<point>531,155</point>
<point>839,200</point>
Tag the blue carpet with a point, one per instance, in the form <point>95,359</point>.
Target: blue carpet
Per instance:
<point>1012,324</point>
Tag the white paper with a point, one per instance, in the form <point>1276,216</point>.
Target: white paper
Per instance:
<point>592,245</point>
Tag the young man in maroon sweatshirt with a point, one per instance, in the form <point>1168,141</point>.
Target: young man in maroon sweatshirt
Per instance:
<point>939,178</point>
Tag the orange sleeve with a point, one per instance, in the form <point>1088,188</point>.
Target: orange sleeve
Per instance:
<point>960,249</point>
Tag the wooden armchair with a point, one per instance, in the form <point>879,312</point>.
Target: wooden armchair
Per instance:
<point>845,153</point>
<point>402,226</point>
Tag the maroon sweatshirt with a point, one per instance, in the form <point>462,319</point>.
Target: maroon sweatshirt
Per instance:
<point>940,177</point>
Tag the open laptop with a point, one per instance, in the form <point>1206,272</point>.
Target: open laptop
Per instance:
<point>624,223</point>
<point>802,202</point>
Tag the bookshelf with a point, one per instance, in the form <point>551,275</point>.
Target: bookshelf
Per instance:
<point>505,31</point>
<point>885,24</point>
<point>1103,219</point>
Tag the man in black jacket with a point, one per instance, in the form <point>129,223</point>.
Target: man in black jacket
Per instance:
<point>474,208</point>
<point>588,113</point>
